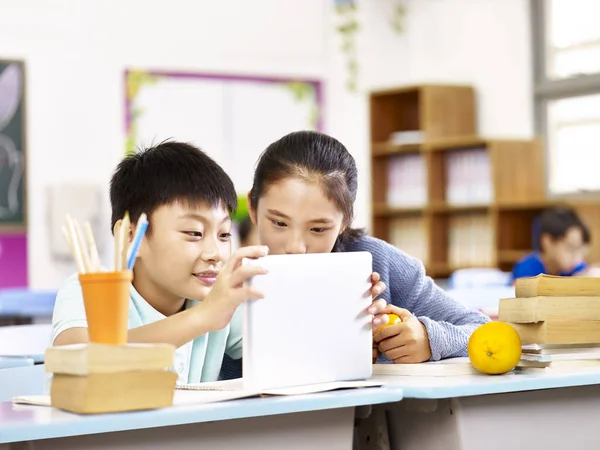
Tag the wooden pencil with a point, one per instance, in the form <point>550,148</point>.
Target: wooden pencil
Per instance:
<point>94,257</point>
<point>117,236</point>
<point>126,232</point>
<point>76,250</point>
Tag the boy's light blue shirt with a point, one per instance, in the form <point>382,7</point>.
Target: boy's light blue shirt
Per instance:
<point>198,361</point>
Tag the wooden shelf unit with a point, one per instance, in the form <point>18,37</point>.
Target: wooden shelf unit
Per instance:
<point>502,219</point>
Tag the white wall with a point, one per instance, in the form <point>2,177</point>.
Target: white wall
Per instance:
<point>76,52</point>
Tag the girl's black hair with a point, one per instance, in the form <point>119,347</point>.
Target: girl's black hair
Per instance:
<point>312,156</point>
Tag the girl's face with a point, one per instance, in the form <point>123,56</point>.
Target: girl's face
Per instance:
<point>294,216</point>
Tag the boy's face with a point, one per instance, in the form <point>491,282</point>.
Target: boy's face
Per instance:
<point>295,216</point>
<point>184,252</point>
<point>567,252</point>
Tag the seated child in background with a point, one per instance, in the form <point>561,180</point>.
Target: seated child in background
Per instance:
<point>562,246</point>
<point>187,286</point>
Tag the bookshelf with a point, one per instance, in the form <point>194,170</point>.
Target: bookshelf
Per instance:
<point>448,196</point>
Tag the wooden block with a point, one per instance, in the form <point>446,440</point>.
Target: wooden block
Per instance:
<point>539,309</point>
<point>113,392</point>
<point>559,332</point>
<point>83,359</point>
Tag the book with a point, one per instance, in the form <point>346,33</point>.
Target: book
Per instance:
<point>220,391</point>
<point>112,392</point>
<point>552,349</point>
<point>84,359</point>
<point>442,368</point>
<point>539,309</point>
<point>559,332</point>
<point>562,355</point>
<point>237,386</point>
<point>555,286</point>
<point>566,366</point>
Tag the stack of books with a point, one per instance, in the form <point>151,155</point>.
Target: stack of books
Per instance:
<point>98,378</point>
<point>558,320</point>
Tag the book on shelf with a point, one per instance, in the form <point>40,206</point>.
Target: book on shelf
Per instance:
<point>468,177</point>
<point>407,181</point>
<point>410,235</point>
<point>406,137</point>
<point>556,286</point>
<point>470,241</point>
<point>540,309</point>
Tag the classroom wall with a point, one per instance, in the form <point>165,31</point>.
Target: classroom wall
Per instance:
<point>485,43</point>
<point>76,53</point>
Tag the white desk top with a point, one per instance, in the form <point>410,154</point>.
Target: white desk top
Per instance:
<point>23,423</point>
<point>469,385</point>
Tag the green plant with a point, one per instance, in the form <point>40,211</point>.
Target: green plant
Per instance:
<point>348,28</point>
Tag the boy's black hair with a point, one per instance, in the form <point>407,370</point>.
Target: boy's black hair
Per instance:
<point>164,174</point>
<point>555,222</point>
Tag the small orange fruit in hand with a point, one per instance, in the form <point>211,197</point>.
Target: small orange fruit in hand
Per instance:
<point>394,319</point>
<point>494,348</point>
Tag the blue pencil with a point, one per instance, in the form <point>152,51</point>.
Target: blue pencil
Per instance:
<point>140,231</point>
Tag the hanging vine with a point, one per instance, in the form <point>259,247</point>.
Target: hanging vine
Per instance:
<point>348,28</point>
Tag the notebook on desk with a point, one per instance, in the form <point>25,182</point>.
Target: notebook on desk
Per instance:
<point>312,326</point>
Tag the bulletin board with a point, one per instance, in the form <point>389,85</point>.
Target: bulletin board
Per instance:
<point>12,142</point>
<point>13,231</point>
<point>231,118</point>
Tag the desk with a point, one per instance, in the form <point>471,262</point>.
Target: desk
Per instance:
<point>495,412</point>
<point>316,421</point>
<point>23,306</point>
<point>8,362</point>
<point>25,340</point>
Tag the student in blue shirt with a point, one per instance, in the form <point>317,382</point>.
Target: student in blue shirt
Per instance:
<point>563,241</point>
<point>187,286</point>
<point>302,201</point>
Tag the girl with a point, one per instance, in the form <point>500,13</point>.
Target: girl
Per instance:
<point>302,202</point>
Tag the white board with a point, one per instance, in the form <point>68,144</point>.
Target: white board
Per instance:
<point>233,119</point>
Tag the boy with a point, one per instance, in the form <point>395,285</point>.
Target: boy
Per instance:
<point>188,198</point>
<point>563,242</point>
<point>186,289</point>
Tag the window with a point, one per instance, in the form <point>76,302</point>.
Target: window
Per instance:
<point>566,48</point>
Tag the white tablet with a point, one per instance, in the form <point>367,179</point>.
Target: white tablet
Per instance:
<point>313,325</point>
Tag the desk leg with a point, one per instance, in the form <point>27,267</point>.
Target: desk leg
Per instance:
<point>314,430</point>
<point>549,419</point>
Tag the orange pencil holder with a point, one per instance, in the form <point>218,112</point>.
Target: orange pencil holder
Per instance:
<point>106,300</point>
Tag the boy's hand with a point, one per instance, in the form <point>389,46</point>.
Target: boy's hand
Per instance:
<point>406,342</point>
<point>229,291</point>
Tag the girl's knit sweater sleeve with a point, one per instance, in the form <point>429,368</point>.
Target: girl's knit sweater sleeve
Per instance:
<point>449,324</point>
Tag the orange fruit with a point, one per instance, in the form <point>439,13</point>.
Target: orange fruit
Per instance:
<point>394,319</point>
<point>494,348</point>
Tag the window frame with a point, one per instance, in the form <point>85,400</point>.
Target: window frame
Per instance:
<point>546,89</point>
